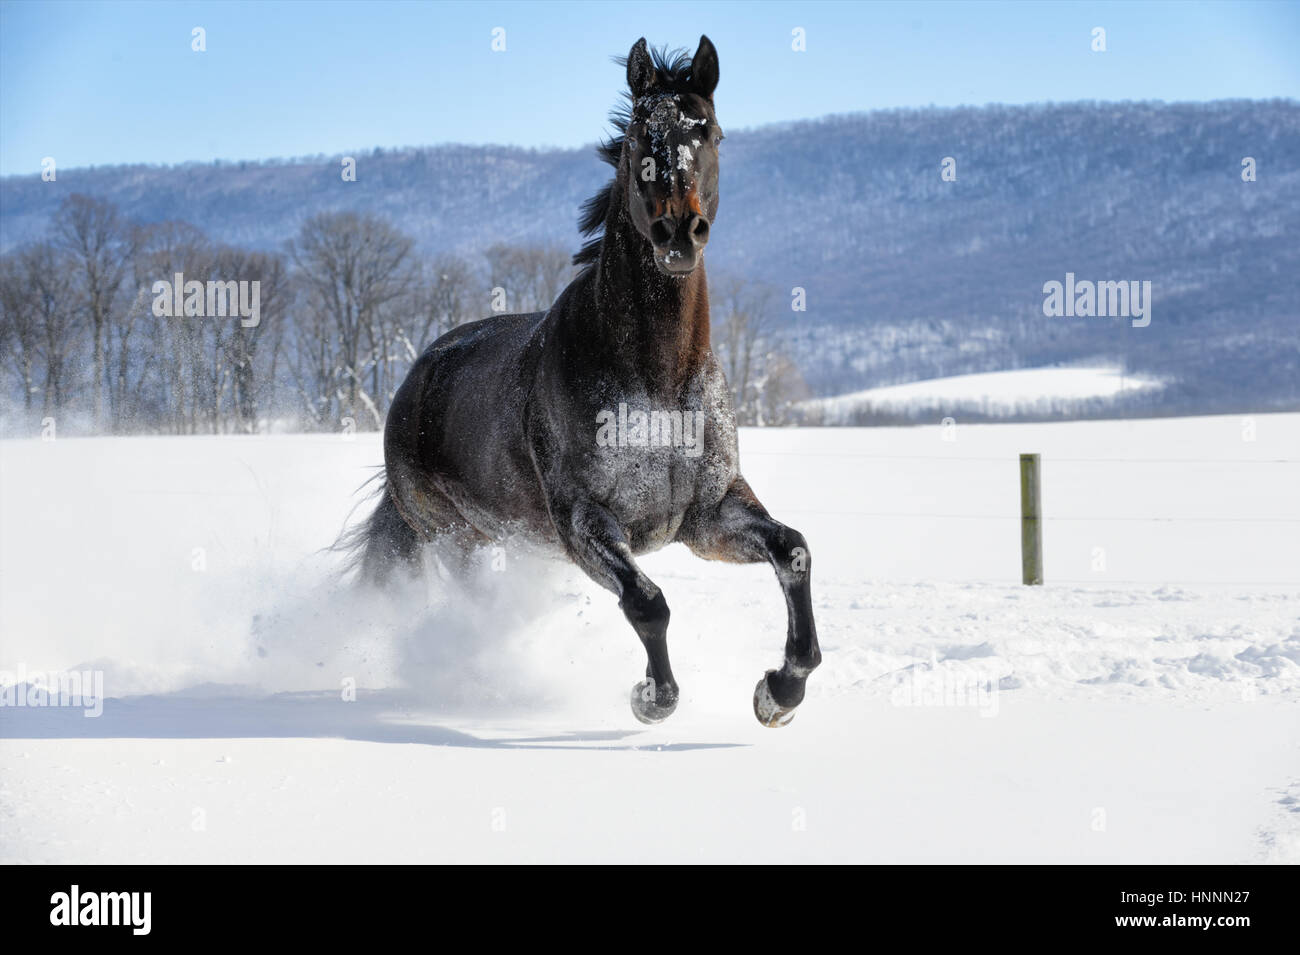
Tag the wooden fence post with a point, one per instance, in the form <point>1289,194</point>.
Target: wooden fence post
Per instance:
<point>1031,520</point>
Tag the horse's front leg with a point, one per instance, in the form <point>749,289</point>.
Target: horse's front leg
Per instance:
<point>740,530</point>
<point>597,544</point>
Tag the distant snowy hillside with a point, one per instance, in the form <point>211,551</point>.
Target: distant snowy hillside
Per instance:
<point>1034,391</point>
<point>906,276</point>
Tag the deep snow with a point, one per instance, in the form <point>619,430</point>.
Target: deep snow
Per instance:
<point>1139,707</point>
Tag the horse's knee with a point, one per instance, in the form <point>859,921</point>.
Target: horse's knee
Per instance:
<point>791,555</point>
<point>645,608</point>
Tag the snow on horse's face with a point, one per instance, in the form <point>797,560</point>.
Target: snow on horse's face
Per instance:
<point>671,158</point>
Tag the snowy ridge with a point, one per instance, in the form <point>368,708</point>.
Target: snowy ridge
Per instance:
<point>988,394</point>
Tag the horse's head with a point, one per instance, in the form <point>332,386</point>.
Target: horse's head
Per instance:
<point>670,154</point>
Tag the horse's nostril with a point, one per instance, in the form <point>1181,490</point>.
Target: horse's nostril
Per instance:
<point>700,230</point>
<point>660,234</point>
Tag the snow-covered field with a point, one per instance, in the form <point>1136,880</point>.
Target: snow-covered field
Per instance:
<point>991,392</point>
<point>1139,707</point>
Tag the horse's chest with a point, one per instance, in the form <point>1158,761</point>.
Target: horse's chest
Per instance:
<point>654,465</point>
<point>650,493</point>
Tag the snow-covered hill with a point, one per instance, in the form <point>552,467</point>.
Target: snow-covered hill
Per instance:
<point>1141,706</point>
<point>988,394</point>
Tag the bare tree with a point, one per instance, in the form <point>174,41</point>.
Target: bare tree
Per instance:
<point>100,242</point>
<point>355,266</point>
<point>741,312</point>
<point>40,318</point>
<point>441,299</point>
<point>244,343</point>
<point>554,271</point>
<point>312,360</point>
<point>531,275</point>
<point>56,312</point>
<point>781,388</point>
<point>163,250</point>
<point>19,329</point>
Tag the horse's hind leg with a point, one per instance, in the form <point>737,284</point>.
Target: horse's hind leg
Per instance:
<point>432,519</point>
<point>740,530</point>
<point>597,544</point>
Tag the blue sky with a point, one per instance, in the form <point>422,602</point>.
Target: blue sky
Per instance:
<point>109,82</point>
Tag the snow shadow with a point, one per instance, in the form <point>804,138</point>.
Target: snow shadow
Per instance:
<point>234,713</point>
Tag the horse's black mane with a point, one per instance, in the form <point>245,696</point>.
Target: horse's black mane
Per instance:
<point>673,75</point>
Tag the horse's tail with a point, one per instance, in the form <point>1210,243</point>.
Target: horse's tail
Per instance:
<point>382,542</point>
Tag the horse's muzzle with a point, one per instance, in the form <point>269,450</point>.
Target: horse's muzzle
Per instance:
<point>679,242</point>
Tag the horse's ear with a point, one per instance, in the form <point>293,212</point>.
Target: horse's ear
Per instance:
<point>641,76</point>
<point>704,68</point>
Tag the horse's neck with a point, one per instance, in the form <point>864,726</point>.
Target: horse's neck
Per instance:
<point>660,322</point>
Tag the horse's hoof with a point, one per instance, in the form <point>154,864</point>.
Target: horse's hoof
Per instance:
<point>647,708</point>
<point>769,712</point>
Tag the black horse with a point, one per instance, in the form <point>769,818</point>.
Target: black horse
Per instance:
<point>521,423</point>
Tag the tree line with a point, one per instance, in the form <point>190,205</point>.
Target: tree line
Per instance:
<point>344,308</point>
